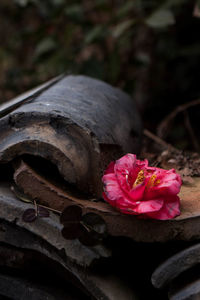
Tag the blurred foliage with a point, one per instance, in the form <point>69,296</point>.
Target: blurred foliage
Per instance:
<point>150,48</point>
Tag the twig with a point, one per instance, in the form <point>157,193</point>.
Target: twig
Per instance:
<point>49,208</point>
<point>158,140</point>
<point>164,126</point>
<point>188,105</point>
<point>36,208</point>
<point>191,131</point>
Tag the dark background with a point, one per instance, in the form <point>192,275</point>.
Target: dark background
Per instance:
<point>151,49</point>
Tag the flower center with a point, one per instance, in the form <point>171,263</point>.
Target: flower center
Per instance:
<point>152,181</point>
<point>139,179</point>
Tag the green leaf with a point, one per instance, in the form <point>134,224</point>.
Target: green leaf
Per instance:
<point>94,34</point>
<point>74,11</point>
<point>173,3</point>
<point>22,3</point>
<point>161,18</point>
<point>46,45</point>
<point>125,9</point>
<point>118,30</point>
<point>192,50</point>
<point>58,2</point>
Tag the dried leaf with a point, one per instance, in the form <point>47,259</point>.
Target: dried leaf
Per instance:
<point>20,195</point>
<point>187,164</point>
<point>187,180</point>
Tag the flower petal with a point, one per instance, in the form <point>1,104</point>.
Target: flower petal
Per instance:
<point>168,183</point>
<point>137,193</point>
<point>171,182</point>
<point>125,171</point>
<point>142,163</point>
<point>170,209</point>
<point>112,190</point>
<point>132,187</point>
<point>143,207</point>
<point>150,206</point>
<point>110,168</point>
<point>126,162</point>
<point>111,187</point>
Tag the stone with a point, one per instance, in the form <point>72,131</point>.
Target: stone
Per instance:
<point>175,266</point>
<point>28,245</point>
<point>48,229</point>
<point>19,288</point>
<point>77,123</point>
<point>185,227</point>
<point>190,291</point>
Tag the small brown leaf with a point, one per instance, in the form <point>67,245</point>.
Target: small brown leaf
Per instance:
<point>95,224</point>
<point>71,214</point>
<point>87,239</point>
<point>29,215</point>
<point>42,212</point>
<point>93,230</point>
<point>71,231</point>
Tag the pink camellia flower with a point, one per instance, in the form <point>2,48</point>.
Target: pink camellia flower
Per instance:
<point>134,188</point>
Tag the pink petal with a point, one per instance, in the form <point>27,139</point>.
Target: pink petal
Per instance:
<point>143,164</point>
<point>111,187</point>
<point>170,209</point>
<point>149,206</point>
<point>137,193</point>
<point>170,184</point>
<point>125,171</point>
<point>124,203</point>
<point>113,191</point>
<point>110,168</point>
<point>144,207</point>
<point>125,164</point>
<point>170,181</point>
<point>111,202</point>
<point>119,203</point>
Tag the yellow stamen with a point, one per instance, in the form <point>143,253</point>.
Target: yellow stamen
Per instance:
<point>152,181</point>
<point>139,179</point>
